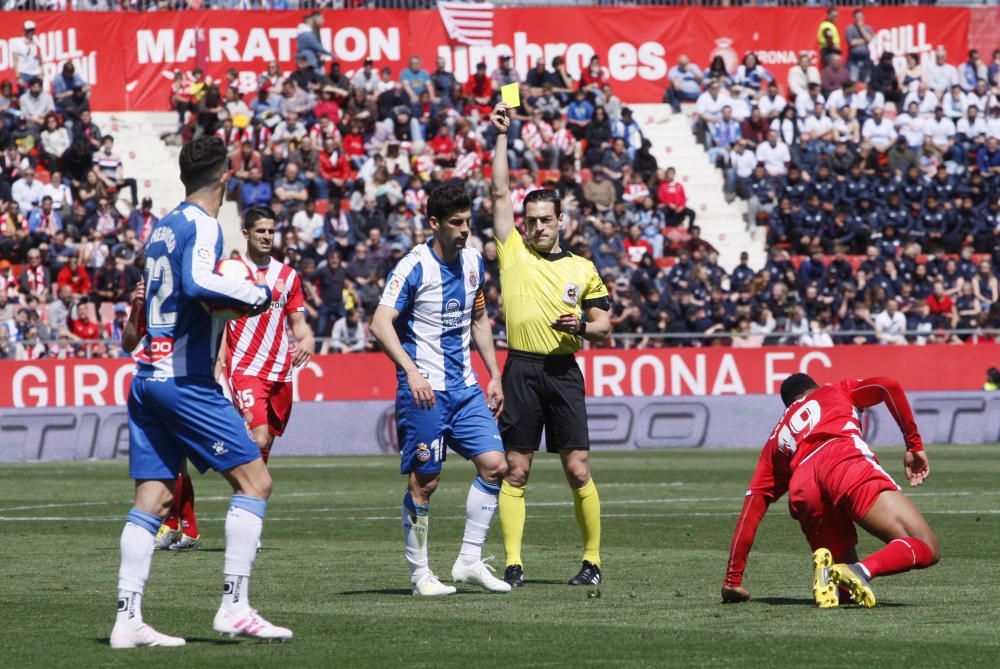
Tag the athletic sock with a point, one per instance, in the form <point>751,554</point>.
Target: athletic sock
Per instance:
<point>587,505</point>
<point>244,522</point>
<point>480,506</point>
<point>415,517</point>
<point>188,520</point>
<point>136,548</point>
<point>897,556</point>
<point>511,504</point>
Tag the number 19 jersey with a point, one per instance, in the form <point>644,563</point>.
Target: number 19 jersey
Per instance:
<point>181,337</point>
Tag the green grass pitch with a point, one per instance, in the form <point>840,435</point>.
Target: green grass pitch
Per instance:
<point>332,569</point>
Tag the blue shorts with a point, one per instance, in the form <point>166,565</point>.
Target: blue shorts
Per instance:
<point>459,420</point>
<point>173,419</point>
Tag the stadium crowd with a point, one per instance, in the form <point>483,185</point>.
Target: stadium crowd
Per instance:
<point>882,224</point>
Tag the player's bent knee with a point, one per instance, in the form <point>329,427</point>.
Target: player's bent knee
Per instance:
<point>517,476</point>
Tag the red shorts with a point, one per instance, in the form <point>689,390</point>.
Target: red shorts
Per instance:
<point>262,402</point>
<point>832,489</point>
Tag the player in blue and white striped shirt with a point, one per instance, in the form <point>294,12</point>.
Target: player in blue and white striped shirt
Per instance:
<point>177,410</point>
<point>430,311</point>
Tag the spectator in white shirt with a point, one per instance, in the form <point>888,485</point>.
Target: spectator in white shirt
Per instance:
<point>879,131</point>
<point>308,223</point>
<point>36,104</point>
<point>742,162</point>
<point>774,155</point>
<point>817,128</point>
<point>289,129</point>
<point>940,74</point>
<point>800,76</point>
<point>772,103</point>
<point>349,335</point>
<point>910,126</point>
<point>926,99</point>
<point>890,325</point>
<point>955,103</point>
<point>865,101</point>
<point>708,109</point>
<point>940,133</point>
<point>993,122</point>
<point>840,98</point>
<point>26,54</point>
<point>805,104</point>
<point>971,130</point>
<point>366,78</point>
<point>28,191</point>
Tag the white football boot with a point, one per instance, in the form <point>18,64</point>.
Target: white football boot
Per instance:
<point>123,636</point>
<point>430,586</point>
<point>478,573</point>
<point>249,624</point>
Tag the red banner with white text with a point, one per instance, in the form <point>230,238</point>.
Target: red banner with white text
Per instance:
<point>129,58</point>
<point>671,372</point>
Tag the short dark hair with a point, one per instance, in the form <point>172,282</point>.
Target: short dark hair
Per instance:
<point>202,161</point>
<point>795,386</point>
<point>257,213</point>
<point>543,195</point>
<point>447,200</point>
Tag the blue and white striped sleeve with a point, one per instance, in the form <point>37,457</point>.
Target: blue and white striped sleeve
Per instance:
<point>200,279</point>
<point>401,286</point>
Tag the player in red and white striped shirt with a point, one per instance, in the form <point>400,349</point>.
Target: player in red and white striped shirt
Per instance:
<point>259,356</point>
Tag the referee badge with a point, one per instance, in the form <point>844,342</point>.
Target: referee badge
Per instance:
<point>571,294</point>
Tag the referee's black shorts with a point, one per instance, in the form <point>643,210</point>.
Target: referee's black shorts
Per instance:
<point>543,391</point>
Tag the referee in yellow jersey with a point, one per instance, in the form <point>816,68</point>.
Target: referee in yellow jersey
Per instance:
<point>551,300</point>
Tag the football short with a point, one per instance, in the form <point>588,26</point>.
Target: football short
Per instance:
<point>262,402</point>
<point>832,489</point>
<point>459,420</point>
<point>543,391</point>
<point>173,419</point>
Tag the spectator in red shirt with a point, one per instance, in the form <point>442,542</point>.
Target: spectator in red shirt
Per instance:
<point>479,88</point>
<point>674,200</point>
<point>74,275</point>
<point>942,307</point>
<point>354,144</point>
<point>444,147</point>
<point>636,247</point>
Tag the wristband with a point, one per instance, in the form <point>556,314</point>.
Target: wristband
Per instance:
<point>583,328</point>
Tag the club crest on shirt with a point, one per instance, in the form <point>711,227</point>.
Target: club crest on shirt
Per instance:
<point>571,293</point>
<point>473,279</point>
<point>423,452</point>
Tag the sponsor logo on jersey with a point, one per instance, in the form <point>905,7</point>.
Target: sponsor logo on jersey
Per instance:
<point>204,253</point>
<point>571,293</point>
<point>423,452</point>
<point>219,448</point>
<point>158,348</point>
<point>247,415</point>
<point>394,286</point>
<point>452,316</point>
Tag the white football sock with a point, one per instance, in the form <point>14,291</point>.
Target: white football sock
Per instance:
<point>480,507</point>
<point>415,537</point>
<point>244,523</point>
<point>136,549</point>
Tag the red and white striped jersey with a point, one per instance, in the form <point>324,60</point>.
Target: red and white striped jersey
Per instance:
<point>564,141</point>
<point>635,193</point>
<point>258,345</point>
<point>259,138</point>
<point>230,138</point>
<point>465,164</point>
<point>318,134</point>
<point>536,134</point>
<point>415,198</point>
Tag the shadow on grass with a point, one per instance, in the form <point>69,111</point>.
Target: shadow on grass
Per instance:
<point>796,601</point>
<point>217,641</point>
<point>400,591</point>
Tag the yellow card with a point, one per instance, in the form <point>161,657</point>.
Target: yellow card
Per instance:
<point>511,95</point>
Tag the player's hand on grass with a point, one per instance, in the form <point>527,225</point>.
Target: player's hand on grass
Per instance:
<point>494,396</point>
<point>734,595</point>
<point>917,467</point>
<point>423,394</point>
<point>500,118</point>
<point>567,323</point>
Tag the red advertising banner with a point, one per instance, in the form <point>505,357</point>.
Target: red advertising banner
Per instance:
<point>129,58</point>
<point>670,372</point>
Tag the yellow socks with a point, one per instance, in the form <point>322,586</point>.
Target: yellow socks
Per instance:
<point>511,507</point>
<point>587,505</point>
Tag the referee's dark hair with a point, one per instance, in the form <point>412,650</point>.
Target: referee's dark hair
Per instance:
<point>543,195</point>
<point>202,161</point>
<point>447,200</point>
<point>256,213</point>
<point>795,386</point>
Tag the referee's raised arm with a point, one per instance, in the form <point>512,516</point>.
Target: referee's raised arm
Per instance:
<point>503,208</point>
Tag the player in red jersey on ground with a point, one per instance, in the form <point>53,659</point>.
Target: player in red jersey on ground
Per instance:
<point>179,530</point>
<point>259,355</point>
<point>833,480</point>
